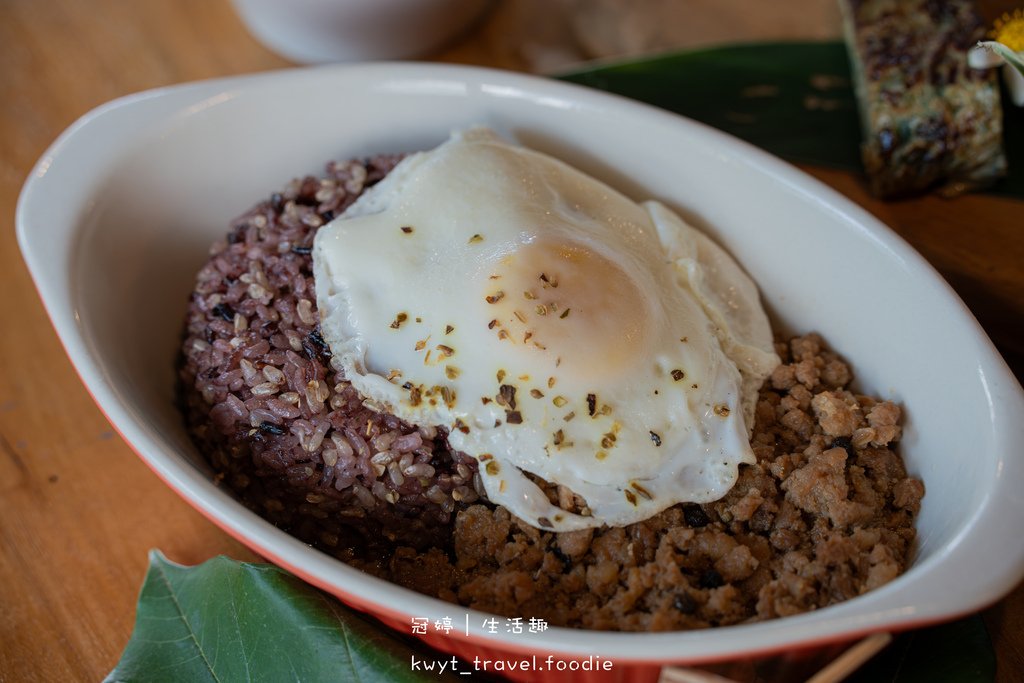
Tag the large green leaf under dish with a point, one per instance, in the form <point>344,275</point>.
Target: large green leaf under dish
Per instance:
<point>794,100</point>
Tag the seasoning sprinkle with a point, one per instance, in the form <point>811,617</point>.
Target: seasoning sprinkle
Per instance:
<point>520,316</point>
<point>476,238</point>
<point>407,229</point>
<point>507,396</point>
<point>678,374</point>
<point>565,313</point>
<point>496,297</point>
<point>630,497</point>
<point>569,416</point>
<point>541,310</point>
<point>513,417</point>
<point>451,372</point>
<point>642,491</point>
<point>448,329</point>
<point>501,375</point>
<point>591,404</point>
<point>445,350</point>
<point>551,382</point>
<point>558,437</point>
<point>399,319</point>
<point>655,438</point>
<point>536,393</point>
<point>421,344</point>
<point>528,295</point>
<point>600,455</point>
<point>559,401</point>
<point>545,522</point>
<point>722,410</point>
<point>491,324</point>
<point>492,467</point>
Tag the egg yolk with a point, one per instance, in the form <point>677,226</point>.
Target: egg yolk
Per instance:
<point>566,299</point>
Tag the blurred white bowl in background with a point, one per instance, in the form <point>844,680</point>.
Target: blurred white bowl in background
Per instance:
<point>315,31</point>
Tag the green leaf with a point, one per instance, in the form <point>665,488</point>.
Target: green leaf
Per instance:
<point>957,652</point>
<point>794,100</point>
<point>225,621</point>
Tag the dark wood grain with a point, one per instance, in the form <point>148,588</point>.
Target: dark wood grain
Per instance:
<point>78,510</point>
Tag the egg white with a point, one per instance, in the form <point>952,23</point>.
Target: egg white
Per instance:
<point>553,325</point>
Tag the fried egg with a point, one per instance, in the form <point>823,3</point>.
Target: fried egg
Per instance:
<point>555,327</point>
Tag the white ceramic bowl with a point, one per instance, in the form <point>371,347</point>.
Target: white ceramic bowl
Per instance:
<point>119,213</point>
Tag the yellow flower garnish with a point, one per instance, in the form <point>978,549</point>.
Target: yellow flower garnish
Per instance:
<point>1009,30</point>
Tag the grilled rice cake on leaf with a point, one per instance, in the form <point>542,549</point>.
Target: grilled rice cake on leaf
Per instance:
<point>929,120</point>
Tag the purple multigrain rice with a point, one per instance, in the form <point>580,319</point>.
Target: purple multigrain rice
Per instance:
<point>280,426</point>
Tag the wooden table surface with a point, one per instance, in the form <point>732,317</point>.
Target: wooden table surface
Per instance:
<point>78,510</point>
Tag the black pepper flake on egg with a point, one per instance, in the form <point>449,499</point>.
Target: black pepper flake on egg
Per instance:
<point>678,374</point>
<point>513,417</point>
<point>695,516</point>
<point>445,350</point>
<point>496,297</point>
<point>655,438</point>
<point>545,522</point>
<point>565,314</point>
<point>722,410</point>
<point>224,312</point>
<point>591,404</point>
<point>476,238</point>
<point>448,329</point>
<point>630,496</point>
<point>407,229</point>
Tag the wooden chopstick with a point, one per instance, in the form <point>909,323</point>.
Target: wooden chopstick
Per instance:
<point>833,672</point>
